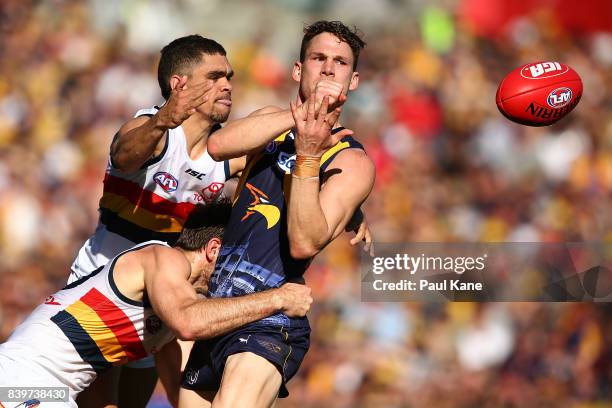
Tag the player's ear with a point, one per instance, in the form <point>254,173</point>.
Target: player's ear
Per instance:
<point>296,73</point>
<point>175,80</point>
<point>354,81</point>
<point>212,249</point>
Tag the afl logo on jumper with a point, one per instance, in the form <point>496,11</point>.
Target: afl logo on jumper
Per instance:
<point>166,181</point>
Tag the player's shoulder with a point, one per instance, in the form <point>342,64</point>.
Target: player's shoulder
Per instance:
<point>140,118</point>
<point>353,161</point>
<point>163,258</point>
<point>266,110</point>
<point>166,253</point>
<point>355,156</point>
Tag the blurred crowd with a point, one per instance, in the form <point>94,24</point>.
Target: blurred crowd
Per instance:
<point>450,168</point>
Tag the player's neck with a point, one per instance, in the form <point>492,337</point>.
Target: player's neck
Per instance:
<point>191,257</point>
<point>197,129</point>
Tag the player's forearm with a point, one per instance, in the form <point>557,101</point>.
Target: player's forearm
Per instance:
<point>307,227</point>
<point>213,317</point>
<point>132,149</point>
<point>244,136</point>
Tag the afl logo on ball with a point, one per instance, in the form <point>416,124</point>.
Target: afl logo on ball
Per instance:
<point>559,97</point>
<point>166,181</point>
<point>153,324</point>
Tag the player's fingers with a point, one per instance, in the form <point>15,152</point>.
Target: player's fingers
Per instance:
<point>311,108</point>
<point>321,115</point>
<point>202,87</point>
<point>338,136</point>
<point>334,139</point>
<point>355,240</point>
<point>359,234</point>
<point>199,99</point>
<point>333,116</point>
<point>363,231</point>
<point>343,133</point>
<point>298,117</point>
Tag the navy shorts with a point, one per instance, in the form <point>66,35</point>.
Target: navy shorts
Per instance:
<point>283,346</point>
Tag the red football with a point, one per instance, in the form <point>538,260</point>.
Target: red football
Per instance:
<point>539,94</point>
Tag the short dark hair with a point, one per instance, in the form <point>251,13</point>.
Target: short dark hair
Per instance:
<point>351,36</point>
<point>204,223</point>
<point>181,55</point>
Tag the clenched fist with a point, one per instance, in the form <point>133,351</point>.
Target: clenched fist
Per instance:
<point>295,299</point>
<point>325,88</point>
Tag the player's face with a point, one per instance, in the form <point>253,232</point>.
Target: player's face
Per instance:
<point>216,69</point>
<point>326,57</point>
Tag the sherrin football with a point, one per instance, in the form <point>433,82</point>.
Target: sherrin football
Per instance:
<point>539,94</point>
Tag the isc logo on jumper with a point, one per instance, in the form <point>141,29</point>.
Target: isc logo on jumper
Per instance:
<point>543,70</point>
<point>195,174</point>
<point>166,181</point>
<point>559,97</point>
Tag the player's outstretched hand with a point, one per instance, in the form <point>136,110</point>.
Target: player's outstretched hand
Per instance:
<point>183,101</point>
<point>314,136</point>
<point>295,299</point>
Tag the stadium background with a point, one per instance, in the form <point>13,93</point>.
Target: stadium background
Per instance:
<point>450,168</point>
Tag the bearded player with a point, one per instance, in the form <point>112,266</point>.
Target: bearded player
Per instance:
<point>132,307</point>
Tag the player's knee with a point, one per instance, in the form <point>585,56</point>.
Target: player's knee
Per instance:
<point>241,387</point>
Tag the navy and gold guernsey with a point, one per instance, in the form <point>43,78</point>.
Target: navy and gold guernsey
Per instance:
<point>255,254</point>
<point>254,257</point>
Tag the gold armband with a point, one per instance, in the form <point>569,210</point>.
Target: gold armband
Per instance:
<point>306,167</point>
